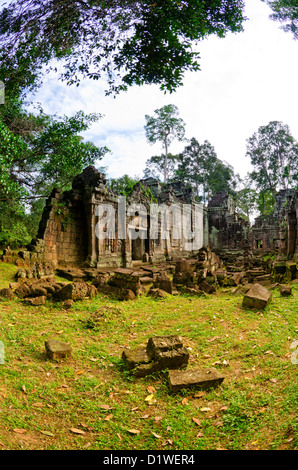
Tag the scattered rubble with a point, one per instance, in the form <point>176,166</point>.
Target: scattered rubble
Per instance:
<point>197,379</point>
<point>161,352</point>
<point>57,350</point>
<point>258,297</point>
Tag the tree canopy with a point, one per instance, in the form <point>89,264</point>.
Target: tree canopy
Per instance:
<point>274,155</point>
<point>286,12</point>
<point>165,126</point>
<point>200,167</point>
<point>125,41</point>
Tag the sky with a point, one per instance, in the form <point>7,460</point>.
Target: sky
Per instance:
<point>246,80</point>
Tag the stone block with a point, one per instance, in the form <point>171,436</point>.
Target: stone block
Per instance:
<point>57,350</point>
<point>6,293</point>
<point>167,351</point>
<point>206,287</point>
<point>285,291</point>
<point>196,379</point>
<point>75,291</point>
<point>135,357</point>
<point>258,297</point>
<point>36,301</point>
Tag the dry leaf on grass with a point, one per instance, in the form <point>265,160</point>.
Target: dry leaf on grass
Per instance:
<point>108,417</point>
<point>47,433</point>
<point>134,431</point>
<point>151,389</point>
<point>106,407</point>
<point>155,435</point>
<point>20,431</point>
<point>197,421</point>
<point>77,431</point>
<point>184,401</point>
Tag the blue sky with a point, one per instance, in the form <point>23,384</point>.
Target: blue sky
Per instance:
<point>246,81</point>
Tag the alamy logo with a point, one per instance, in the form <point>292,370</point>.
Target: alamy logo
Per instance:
<point>2,355</point>
<point>2,93</point>
<point>164,222</point>
<point>294,358</point>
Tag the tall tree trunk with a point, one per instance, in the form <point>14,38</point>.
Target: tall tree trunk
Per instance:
<point>165,170</point>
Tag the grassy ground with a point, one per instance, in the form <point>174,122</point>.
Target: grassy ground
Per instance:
<point>89,401</point>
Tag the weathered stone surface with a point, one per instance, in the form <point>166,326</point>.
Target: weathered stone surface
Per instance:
<point>157,293</point>
<point>37,291</point>
<point>23,291</point>
<point>75,291</point>
<point>161,352</point>
<point>194,379</point>
<point>124,279</point>
<point>6,293</point>
<point>160,344</point>
<point>67,304</point>
<point>205,287</point>
<point>167,351</point>
<point>235,279</point>
<point>258,297</point>
<point>164,283</point>
<point>285,291</point>
<point>183,272</point>
<point>135,357</point>
<point>36,301</point>
<point>241,289</point>
<point>57,350</point>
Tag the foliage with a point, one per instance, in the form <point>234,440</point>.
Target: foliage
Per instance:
<point>89,392</point>
<point>165,126</point>
<point>274,155</point>
<point>155,166</point>
<point>286,12</point>
<point>37,153</point>
<point>128,42</point>
<point>200,167</point>
<point>123,185</point>
<point>246,199</point>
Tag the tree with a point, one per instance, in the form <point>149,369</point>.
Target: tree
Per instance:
<point>274,155</point>
<point>164,127</point>
<point>127,41</point>
<point>123,185</point>
<point>286,12</point>
<point>246,199</point>
<point>37,153</point>
<point>155,166</point>
<point>200,167</point>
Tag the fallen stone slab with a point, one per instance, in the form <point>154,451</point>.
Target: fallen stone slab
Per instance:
<point>6,293</point>
<point>167,351</point>
<point>196,379</point>
<point>75,291</point>
<point>161,352</point>
<point>285,291</point>
<point>57,350</point>
<point>159,344</point>
<point>135,357</point>
<point>36,301</point>
<point>207,288</point>
<point>258,297</point>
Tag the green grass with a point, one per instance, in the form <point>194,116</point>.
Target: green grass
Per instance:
<point>254,408</point>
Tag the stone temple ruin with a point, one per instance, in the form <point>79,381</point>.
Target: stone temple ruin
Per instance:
<point>128,246</point>
<point>91,227</point>
<point>67,232</point>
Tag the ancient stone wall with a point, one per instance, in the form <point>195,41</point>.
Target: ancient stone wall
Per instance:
<point>227,230</point>
<point>76,228</point>
<point>277,232</point>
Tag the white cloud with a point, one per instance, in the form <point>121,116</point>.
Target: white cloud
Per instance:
<point>246,80</point>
